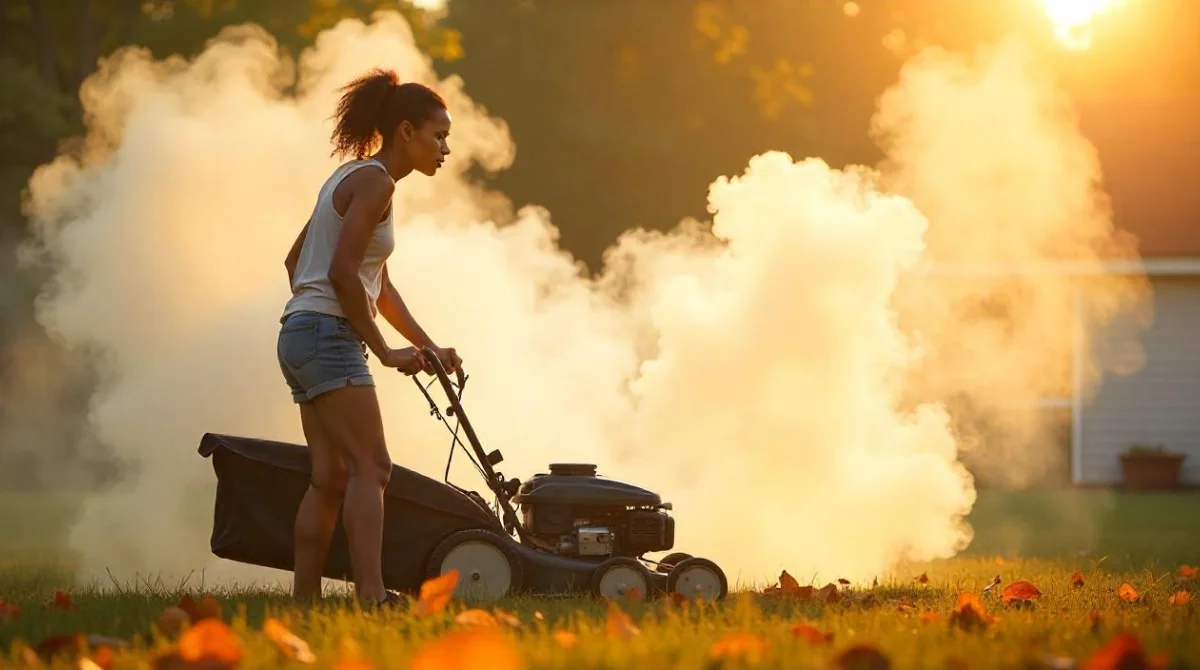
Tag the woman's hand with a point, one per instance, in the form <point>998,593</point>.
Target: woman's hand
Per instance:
<point>449,358</point>
<point>408,360</point>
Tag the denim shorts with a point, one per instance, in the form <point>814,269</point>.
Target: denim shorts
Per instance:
<point>319,353</point>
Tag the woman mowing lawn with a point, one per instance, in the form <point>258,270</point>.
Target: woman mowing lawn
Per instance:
<point>338,274</point>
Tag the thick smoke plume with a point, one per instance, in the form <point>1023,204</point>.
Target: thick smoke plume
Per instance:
<point>775,374</point>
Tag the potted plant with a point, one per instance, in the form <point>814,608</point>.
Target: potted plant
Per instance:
<point>1150,467</point>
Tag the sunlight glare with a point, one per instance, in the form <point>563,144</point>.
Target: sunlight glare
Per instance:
<point>1072,20</point>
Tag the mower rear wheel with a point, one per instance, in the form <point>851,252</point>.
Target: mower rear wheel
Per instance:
<point>698,578</point>
<point>617,577</point>
<point>488,569</point>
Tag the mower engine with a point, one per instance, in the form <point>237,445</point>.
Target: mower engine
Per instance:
<point>573,512</point>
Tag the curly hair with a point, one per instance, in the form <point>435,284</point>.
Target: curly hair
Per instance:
<point>373,105</point>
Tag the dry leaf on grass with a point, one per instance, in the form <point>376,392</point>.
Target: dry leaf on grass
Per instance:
<point>930,617</point>
<point>788,588</point>
<point>507,618</point>
<point>469,649</point>
<point>288,642</point>
<point>475,617</point>
<point>1128,593</point>
<point>565,638</point>
<point>1077,579</point>
<point>745,647</point>
<point>811,634</point>
<point>619,624</point>
<point>922,578</point>
<point>861,657</point>
<point>992,584</point>
<point>1188,572</point>
<point>172,621</point>
<point>436,593</point>
<point>206,608</point>
<point>62,601</point>
<point>210,639</point>
<point>1019,592</point>
<point>969,613</point>
<point>1180,598</point>
<point>1123,652</point>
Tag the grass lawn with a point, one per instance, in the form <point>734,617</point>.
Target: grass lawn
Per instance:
<point>1042,537</point>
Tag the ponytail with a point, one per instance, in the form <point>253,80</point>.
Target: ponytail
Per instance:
<point>372,107</point>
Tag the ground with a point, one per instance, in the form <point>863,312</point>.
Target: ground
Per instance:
<point>1146,541</point>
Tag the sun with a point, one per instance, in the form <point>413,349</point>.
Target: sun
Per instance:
<point>1072,19</point>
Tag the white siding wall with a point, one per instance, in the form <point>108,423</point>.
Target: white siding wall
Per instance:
<point>1158,404</point>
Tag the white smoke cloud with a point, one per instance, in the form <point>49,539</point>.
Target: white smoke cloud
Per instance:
<point>757,374</point>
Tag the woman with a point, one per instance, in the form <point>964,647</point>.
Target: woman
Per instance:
<point>338,273</point>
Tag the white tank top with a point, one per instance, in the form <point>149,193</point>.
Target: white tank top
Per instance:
<point>311,289</point>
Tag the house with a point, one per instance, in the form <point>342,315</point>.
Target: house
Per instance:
<point>1150,154</point>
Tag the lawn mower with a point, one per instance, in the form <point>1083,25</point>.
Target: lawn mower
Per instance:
<point>576,532</point>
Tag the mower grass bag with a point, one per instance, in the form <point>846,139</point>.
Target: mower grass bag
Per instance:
<point>259,487</point>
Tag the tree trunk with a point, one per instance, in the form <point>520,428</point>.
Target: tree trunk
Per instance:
<point>44,40</point>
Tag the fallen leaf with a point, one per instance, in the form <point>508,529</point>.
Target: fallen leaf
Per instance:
<point>843,580</point>
<point>1077,579</point>
<point>206,608</point>
<point>1122,652</point>
<point>565,638</point>
<point>475,617</point>
<point>634,595</point>
<point>62,601</point>
<point>969,613</point>
<point>742,646</point>
<point>537,614</point>
<point>826,594</point>
<point>172,621</point>
<point>922,578</point>
<point>861,657</point>
<point>1128,593</point>
<point>468,649</point>
<point>508,618</point>
<point>1187,572</point>
<point>210,640</point>
<point>993,584</point>
<point>1180,598</point>
<point>436,593</point>
<point>789,588</point>
<point>619,624</point>
<point>288,642</point>
<point>1019,592</point>
<point>102,659</point>
<point>811,634</point>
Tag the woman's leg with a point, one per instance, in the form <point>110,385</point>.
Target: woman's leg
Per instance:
<point>351,419</point>
<point>317,516</point>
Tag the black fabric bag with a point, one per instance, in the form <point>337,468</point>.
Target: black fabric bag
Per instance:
<point>259,487</point>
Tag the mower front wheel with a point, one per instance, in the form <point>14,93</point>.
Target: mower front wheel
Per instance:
<point>617,577</point>
<point>488,568</point>
<point>698,578</point>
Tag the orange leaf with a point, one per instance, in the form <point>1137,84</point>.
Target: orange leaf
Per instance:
<point>468,649</point>
<point>288,642</point>
<point>8,612</point>
<point>619,624</point>
<point>826,594</point>
<point>861,657</point>
<point>565,638</point>
<point>207,608</point>
<point>634,595</point>
<point>172,621</point>
<point>509,619</point>
<point>969,612</point>
<point>811,634</point>
<point>1128,593</point>
<point>922,578</point>
<point>350,657</point>
<point>62,601</point>
<point>1019,592</point>
<point>1180,598</point>
<point>436,593</point>
<point>1123,652</point>
<point>210,640</point>
<point>103,658</point>
<point>1077,579</point>
<point>475,617</point>
<point>1187,572</point>
<point>745,646</point>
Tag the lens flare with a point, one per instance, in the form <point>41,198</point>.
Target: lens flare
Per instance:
<point>1072,20</point>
